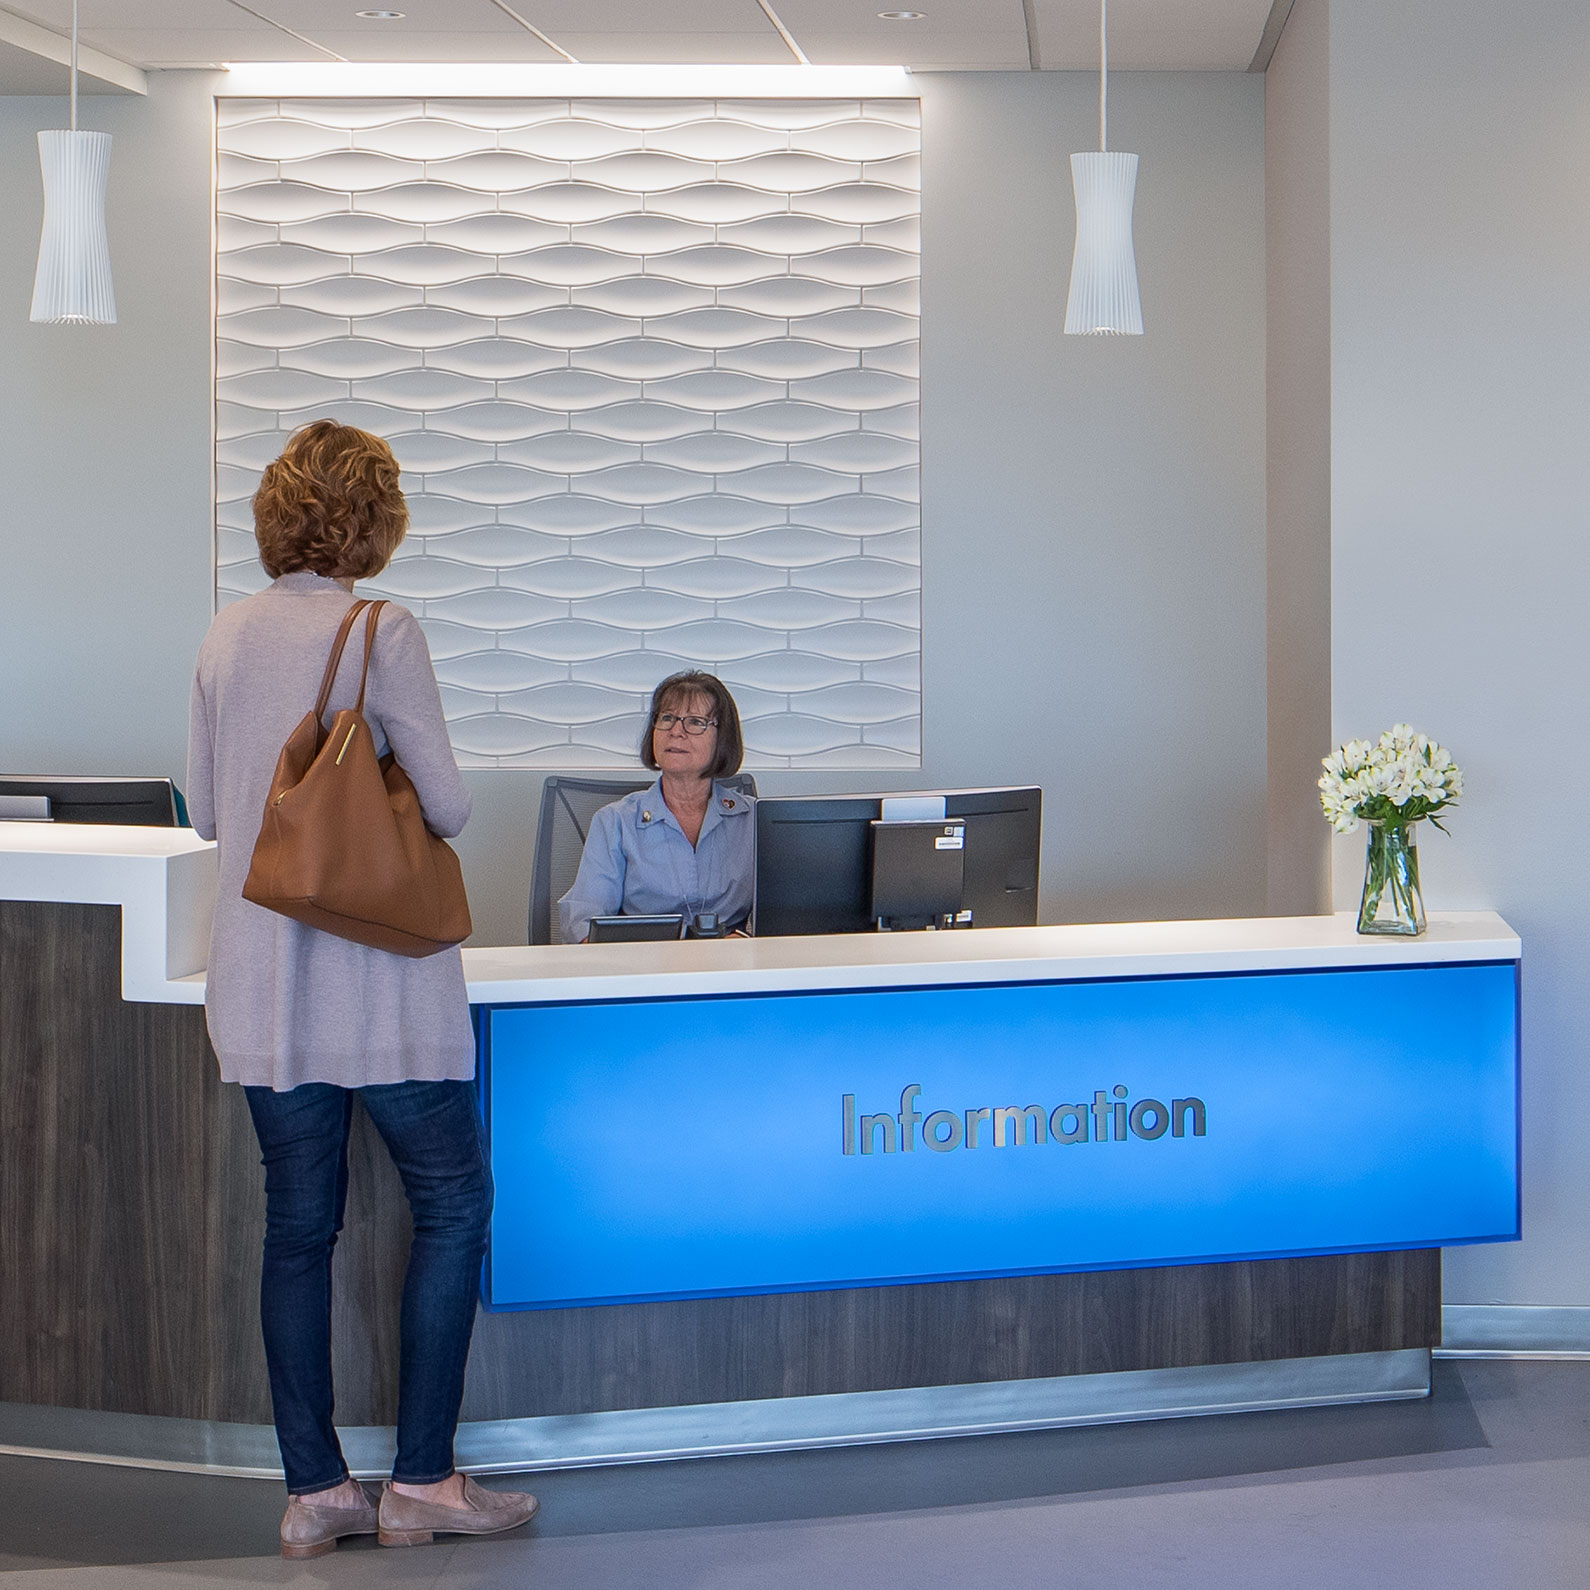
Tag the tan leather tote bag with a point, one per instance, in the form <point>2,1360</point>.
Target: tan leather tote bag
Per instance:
<point>344,846</point>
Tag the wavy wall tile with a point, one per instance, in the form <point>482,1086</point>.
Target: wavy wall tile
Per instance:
<point>903,735</point>
<point>785,114</point>
<point>642,296</point>
<point>904,420</point>
<point>717,391</point>
<point>351,233</point>
<point>232,297</point>
<point>349,358</point>
<point>644,233</point>
<point>718,138</point>
<point>861,579</point>
<point>498,115</point>
<point>716,578</point>
<point>641,609</point>
<point>709,452</point>
<point>351,295</point>
<point>792,547</point>
<point>567,578</point>
<point>789,234</point>
<point>786,297</point>
<point>643,546</point>
<point>790,609</point>
<point>859,139</point>
<point>904,671</point>
<point>637,671</point>
<point>426,202</point>
<point>785,422</point>
<point>857,452</point>
<point>568,138</point>
<point>649,368</point>
<point>643,421</point>
<point>641,358</point>
<point>790,671</point>
<point>793,734</point>
<point>618,738</point>
<point>497,672</point>
<point>863,757</point>
<point>721,514</point>
<point>498,359</point>
<point>239,358</point>
<point>427,138</point>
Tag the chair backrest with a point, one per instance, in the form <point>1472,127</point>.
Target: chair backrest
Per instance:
<point>567,807</point>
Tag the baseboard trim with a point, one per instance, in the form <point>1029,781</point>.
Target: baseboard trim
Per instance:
<point>1514,1330</point>
<point>652,1435</point>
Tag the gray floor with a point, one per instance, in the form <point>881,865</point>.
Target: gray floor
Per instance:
<point>1487,1484</point>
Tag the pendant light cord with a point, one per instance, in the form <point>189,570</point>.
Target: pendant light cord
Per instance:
<point>1104,75</point>
<point>74,65</point>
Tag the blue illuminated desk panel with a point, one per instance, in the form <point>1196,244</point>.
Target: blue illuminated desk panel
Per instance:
<point>693,1147</point>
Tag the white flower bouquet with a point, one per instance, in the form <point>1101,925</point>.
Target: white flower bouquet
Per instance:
<point>1391,786</point>
<point>1404,779</point>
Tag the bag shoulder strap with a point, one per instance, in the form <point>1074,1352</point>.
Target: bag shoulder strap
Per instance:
<point>336,657</point>
<point>371,620</point>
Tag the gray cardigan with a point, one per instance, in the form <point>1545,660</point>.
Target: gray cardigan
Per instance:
<point>287,1003</point>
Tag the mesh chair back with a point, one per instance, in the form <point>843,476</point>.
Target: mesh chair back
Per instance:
<point>567,807</point>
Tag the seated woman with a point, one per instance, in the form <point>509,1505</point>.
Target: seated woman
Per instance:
<point>686,843</point>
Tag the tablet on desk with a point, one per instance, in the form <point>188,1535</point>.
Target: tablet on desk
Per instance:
<point>635,929</point>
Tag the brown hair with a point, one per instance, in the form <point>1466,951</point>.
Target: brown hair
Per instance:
<point>679,689</point>
<point>330,504</point>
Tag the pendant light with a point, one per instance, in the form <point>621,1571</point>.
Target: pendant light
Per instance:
<point>1104,299</point>
<point>72,284</point>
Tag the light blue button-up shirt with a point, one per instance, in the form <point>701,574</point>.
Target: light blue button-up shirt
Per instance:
<point>637,862</point>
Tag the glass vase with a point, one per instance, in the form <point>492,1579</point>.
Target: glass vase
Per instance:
<point>1392,902</point>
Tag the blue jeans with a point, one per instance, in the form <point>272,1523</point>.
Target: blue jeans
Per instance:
<point>432,1131</point>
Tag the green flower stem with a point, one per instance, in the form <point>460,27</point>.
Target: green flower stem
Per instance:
<point>1392,902</point>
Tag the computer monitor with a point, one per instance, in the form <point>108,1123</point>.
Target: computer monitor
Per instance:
<point>136,802</point>
<point>918,872</point>
<point>1004,832</point>
<point>814,859</point>
<point>813,865</point>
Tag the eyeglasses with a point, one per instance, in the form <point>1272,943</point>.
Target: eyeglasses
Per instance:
<point>691,725</point>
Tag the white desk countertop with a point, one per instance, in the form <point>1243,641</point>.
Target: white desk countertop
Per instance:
<point>164,881</point>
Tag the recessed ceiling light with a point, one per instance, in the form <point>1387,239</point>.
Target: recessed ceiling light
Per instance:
<point>902,16</point>
<point>380,16</point>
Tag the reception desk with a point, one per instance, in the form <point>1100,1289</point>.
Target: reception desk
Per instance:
<point>756,1194</point>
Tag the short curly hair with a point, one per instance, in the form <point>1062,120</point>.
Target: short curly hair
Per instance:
<point>330,504</point>
<point>675,694</point>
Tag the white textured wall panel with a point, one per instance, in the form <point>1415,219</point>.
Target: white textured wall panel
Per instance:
<point>651,372</point>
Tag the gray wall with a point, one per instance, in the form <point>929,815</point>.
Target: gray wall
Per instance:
<point>105,541</point>
<point>1298,552</point>
<point>1093,509</point>
<point>1460,231</point>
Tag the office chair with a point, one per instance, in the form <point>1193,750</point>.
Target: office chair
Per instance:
<point>567,807</point>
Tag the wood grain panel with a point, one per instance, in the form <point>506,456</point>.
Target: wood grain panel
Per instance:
<point>106,1141</point>
<point>951,1333</point>
<point>132,1209</point>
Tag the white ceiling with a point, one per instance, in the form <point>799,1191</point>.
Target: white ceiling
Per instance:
<point>1189,35</point>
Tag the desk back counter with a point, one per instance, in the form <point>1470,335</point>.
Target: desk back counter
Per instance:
<point>763,1193</point>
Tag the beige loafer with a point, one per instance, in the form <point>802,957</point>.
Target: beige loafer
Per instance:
<point>310,1531</point>
<point>407,1521</point>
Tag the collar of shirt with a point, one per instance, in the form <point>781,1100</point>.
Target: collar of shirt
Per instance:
<point>723,805</point>
<point>300,580</point>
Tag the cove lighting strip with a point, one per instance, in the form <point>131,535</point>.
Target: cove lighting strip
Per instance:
<point>515,80</point>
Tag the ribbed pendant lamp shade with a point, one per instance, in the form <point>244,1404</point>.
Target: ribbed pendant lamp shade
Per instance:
<point>72,285</point>
<point>1104,298</point>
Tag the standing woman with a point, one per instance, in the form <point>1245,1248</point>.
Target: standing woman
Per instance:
<point>306,1022</point>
